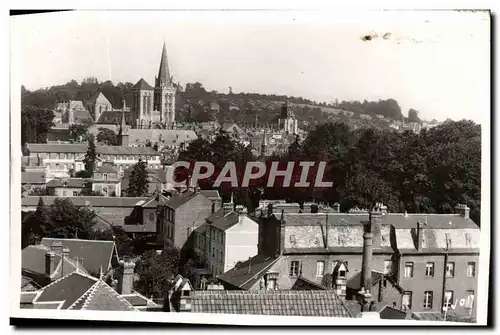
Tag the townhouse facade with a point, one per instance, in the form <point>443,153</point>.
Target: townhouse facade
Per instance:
<point>426,258</point>
<point>62,159</point>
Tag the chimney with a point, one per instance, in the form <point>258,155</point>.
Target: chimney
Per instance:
<point>126,277</point>
<point>336,207</point>
<point>65,252</point>
<point>366,265</point>
<point>463,210</point>
<point>420,235</point>
<point>314,208</point>
<point>56,247</point>
<point>228,206</point>
<point>124,104</point>
<point>249,264</point>
<point>50,263</point>
<point>375,218</point>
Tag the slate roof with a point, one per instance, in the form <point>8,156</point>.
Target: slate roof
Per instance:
<point>77,291</point>
<point>427,316</point>
<point>434,221</point>
<point>210,194</point>
<point>167,137</point>
<point>296,303</point>
<point>216,215</point>
<point>136,299</point>
<point>80,201</point>
<point>106,168</point>
<point>302,284</point>
<point>226,221</point>
<point>69,148</point>
<point>69,182</point>
<point>179,199</point>
<point>33,177</point>
<point>28,297</point>
<point>241,278</point>
<point>95,254</point>
<point>435,240</point>
<point>142,85</point>
<point>137,228</point>
<point>33,261</point>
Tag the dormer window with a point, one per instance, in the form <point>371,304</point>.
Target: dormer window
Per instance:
<point>468,240</point>
<point>105,176</point>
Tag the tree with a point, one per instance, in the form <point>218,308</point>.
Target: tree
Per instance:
<point>37,225</point>
<point>106,136</point>
<point>138,183</point>
<point>35,123</point>
<point>413,116</point>
<point>78,132</point>
<point>70,221</point>
<point>90,157</point>
<point>156,272</point>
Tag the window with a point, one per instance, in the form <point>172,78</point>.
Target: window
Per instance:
<point>105,176</point>
<point>151,216</point>
<point>75,193</point>
<point>429,270</point>
<point>470,299</point>
<point>65,166</point>
<point>450,269</point>
<point>406,302</point>
<point>292,239</point>
<point>271,283</point>
<point>448,299</point>
<point>428,297</point>
<point>57,166</point>
<point>448,241</point>
<point>387,266</point>
<point>409,270</point>
<point>468,240</point>
<point>320,268</point>
<point>294,269</point>
<point>471,269</point>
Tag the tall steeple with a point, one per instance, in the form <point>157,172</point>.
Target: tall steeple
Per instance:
<point>163,73</point>
<point>122,136</point>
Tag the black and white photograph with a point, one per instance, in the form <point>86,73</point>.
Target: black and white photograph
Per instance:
<point>274,167</point>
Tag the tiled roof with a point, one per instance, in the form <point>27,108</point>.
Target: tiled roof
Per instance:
<point>354,283</point>
<point>142,85</point>
<point>427,316</point>
<point>27,297</point>
<point>113,117</point>
<point>302,284</point>
<point>136,299</point>
<point>81,201</point>
<point>118,150</point>
<point>106,168</point>
<point>101,297</point>
<point>240,277</point>
<point>95,254</point>
<point>33,177</point>
<point>297,303</point>
<point>146,228</point>
<point>226,221</point>
<point>71,148</point>
<point>69,182</point>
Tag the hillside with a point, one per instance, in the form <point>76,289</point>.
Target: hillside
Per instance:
<point>193,105</point>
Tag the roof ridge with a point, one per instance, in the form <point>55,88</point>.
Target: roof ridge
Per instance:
<point>76,239</point>
<point>91,291</point>
<point>111,290</point>
<point>60,279</point>
<point>267,267</point>
<point>83,296</point>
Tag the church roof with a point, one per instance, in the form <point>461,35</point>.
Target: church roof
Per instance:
<point>163,72</point>
<point>143,85</point>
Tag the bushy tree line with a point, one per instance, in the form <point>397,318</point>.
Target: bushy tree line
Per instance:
<point>430,172</point>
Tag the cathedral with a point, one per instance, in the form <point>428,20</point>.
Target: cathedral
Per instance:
<point>154,107</point>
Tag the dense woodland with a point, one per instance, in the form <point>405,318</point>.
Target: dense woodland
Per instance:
<point>429,172</point>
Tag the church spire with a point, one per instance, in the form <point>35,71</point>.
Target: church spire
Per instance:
<point>163,72</point>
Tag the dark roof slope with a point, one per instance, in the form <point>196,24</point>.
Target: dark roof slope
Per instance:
<point>239,276</point>
<point>93,253</point>
<point>142,85</point>
<point>68,289</point>
<point>433,221</point>
<point>81,201</point>
<point>70,182</point>
<point>102,297</point>
<point>354,283</point>
<point>392,313</point>
<point>296,303</point>
<point>33,177</point>
<point>180,199</point>
<point>227,221</point>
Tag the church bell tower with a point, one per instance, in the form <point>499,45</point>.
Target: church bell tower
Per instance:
<point>164,93</point>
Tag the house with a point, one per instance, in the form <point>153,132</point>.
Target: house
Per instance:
<point>228,237</point>
<point>42,264</point>
<point>114,210</point>
<point>66,187</point>
<point>182,214</point>
<point>60,159</point>
<point>157,180</point>
<point>106,180</point>
<point>211,107</point>
<point>429,260</point>
<point>32,179</point>
<point>95,256</point>
<point>77,291</point>
<point>73,111</point>
<point>183,298</point>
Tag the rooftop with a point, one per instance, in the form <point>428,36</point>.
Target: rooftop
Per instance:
<point>296,303</point>
<point>67,182</point>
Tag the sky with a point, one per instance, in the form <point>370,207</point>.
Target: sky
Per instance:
<point>434,62</point>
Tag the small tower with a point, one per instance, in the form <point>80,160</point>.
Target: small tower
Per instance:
<point>263,146</point>
<point>122,137</point>
<point>340,279</point>
<point>287,121</point>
